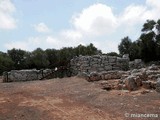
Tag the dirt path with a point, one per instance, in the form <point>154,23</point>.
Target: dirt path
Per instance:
<point>72,99</point>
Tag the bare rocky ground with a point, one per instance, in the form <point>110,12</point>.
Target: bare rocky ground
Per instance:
<point>73,99</point>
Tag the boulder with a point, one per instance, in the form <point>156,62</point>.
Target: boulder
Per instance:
<point>112,75</point>
<point>126,56</point>
<point>138,81</point>
<point>135,71</point>
<point>158,85</point>
<point>146,84</point>
<point>106,86</point>
<point>94,76</point>
<point>153,84</point>
<point>130,83</point>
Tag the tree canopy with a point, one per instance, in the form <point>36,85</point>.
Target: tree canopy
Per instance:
<point>147,47</point>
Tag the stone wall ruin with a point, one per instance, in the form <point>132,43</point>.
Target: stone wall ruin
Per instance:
<point>98,63</point>
<point>24,75</point>
<point>79,65</point>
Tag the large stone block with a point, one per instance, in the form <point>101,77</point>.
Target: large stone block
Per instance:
<point>108,68</point>
<point>112,59</point>
<point>112,75</point>
<point>130,83</point>
<point>94,76</point>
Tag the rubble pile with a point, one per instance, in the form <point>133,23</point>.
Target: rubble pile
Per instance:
<point>148,78</point>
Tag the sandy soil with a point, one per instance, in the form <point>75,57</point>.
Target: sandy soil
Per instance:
<point>73,99</point>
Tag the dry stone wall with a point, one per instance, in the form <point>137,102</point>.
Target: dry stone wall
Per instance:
<point>136,64</point>
<point>107,66</point>
<point>98,63</point>
<point>24,75</point>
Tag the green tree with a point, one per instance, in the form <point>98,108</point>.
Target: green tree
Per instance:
<point>18,57</point>
<point>92,50</point>
<point>148,47</point>
<point>113,54</point>
<point>157,38</point>
<point>150,41</point>
<point>86,50</point>
<point>39,59</point>
<point>6,63</point>
<point>52,57</point>
<point>124,46</point>
<point>65,55</point>
<point>135,51</point>
<point>148,26</point>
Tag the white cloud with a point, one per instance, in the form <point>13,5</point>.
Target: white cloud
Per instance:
<point>50,40</point>
<point>29,44</point>
<point>63,41</point>
<point>17,44</point>
<point>153,3</point>
<point>72,34</point>
<point>43,42</point>
<point>7,21</point>
<point>153,9</point>
<point>132,15</point>
<point>138,14</point>
<point>97,19</point>
<point>42,28</point>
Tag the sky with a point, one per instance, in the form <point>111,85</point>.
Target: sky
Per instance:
<point>29,24</point>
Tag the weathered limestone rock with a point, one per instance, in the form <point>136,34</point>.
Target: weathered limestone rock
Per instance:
<point>158,85</point>
<point>153,85</point>
<point>111,84</point>
<point>112,75</point>
<point>145,77</point>
<point>126,56</point>
<point>24,75</point>
<point>153,67</point>
<point>138,81</point>
<point>136,64</point>
<point>106,86</point>
<point>130,83</point>
<point>94,76</point>
<point>146,84</point>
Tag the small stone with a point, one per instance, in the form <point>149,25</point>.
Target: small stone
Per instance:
<point>137,105</point>
<point>145,91</point>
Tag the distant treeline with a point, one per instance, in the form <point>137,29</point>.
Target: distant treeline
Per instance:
<point>40,59</point>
